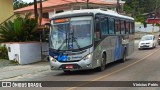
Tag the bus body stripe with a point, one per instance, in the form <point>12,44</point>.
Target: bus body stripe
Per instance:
<point>117,49</point>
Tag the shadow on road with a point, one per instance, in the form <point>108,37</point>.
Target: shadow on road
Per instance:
<point>78,72</point>
<point>92,71</point>
<point>147,49</point>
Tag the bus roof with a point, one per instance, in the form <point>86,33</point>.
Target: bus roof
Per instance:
<point>92,11</point>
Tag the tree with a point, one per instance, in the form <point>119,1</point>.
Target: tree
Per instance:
<point>19,4</point>
<point>138,7</point>
<point>20,30</point>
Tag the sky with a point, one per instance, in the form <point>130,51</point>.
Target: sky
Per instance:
<point>27,1</point>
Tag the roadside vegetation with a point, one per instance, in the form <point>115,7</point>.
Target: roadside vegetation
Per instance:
<point>20,29</point>
<point>4,57</point>
<point>136,8</point>
<point>3,52</point>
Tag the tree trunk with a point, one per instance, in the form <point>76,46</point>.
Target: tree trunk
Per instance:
<point>35,9</point>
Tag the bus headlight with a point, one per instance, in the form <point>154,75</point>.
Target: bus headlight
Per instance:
<point>52,59</point>
<point>87,57</point>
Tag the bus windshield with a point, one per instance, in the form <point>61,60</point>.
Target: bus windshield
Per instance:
<point>71,33</point>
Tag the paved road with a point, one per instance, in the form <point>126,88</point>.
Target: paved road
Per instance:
<point>142,65</point>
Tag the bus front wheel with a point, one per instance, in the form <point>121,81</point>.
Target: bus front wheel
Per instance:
<point>103,64</point>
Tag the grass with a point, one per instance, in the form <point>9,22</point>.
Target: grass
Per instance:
<point>13,62</point>
<point>5,62</point>
<point>1,60</point>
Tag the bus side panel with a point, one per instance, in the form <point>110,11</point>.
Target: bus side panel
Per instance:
<point>112,46</point>
<point>96,55</point>
<point>118,48</point>
<point>130,44</point>
<point>104,45</point>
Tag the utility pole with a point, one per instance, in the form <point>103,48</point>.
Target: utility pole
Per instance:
<point>41,11</point>
<point>117,7</point>
<point>87,4</point>
<point>155,11</point>
<point>35,9</point>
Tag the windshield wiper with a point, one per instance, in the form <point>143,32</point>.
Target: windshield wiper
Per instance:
<point>67,39</point>
<point>74,38</point>
<point>63,42</point>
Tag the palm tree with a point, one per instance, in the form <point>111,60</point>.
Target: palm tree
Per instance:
<point>20,30</point>
<point>7,31</point>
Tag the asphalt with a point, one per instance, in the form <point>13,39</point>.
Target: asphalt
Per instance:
<point>19,71</point>
<point>142,65</point>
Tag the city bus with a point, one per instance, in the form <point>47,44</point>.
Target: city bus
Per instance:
<point>89,39</point>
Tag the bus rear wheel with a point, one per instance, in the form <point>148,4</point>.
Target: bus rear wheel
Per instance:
<point>103,64</point>
<point>124,57</point>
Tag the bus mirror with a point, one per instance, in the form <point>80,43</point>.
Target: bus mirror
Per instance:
<point>45,33</point>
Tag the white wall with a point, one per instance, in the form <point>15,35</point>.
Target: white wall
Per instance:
<point>51,14</point>
<point>30,53</point>
<point>25,53</point>
<point>140,27</point>
<point>13,50</point>
<point>45,48</point>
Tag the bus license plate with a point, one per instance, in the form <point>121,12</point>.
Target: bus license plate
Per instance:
<point>69,66</point>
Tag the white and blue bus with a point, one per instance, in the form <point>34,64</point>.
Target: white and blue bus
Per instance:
<point>89,39</point>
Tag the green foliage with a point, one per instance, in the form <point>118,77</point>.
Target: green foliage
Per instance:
<point>13,62</point>
<point>140,18</point>
<point>20,30</point>
<point>19,4</point>
<point>3,52</point>
<point>128,9</point>
<point>7,31</point>
<point>138,7</point>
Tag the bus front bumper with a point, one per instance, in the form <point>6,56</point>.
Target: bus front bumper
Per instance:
<point>78,65</point>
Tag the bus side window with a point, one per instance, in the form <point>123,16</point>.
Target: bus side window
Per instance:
<point>117,26</point>
<point>104,27</point>
<point>122,27</point>
<point>133,28</point>
<point>111,26</point>
<point>127,27</point>
<point>130,28</point>
<point>97,29</point>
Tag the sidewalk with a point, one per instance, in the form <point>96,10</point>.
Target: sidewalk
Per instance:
<point>22,70</point>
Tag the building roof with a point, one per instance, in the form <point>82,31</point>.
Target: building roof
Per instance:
<point>52,3</point>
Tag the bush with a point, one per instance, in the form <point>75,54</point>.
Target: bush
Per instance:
<point>3,52</point>
<point>21,29</point>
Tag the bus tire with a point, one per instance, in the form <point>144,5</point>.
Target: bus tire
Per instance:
<point>124,57</point>
<point>103,64</point>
